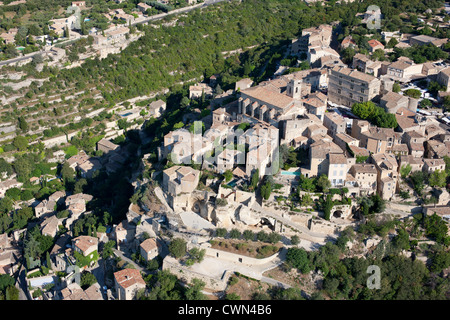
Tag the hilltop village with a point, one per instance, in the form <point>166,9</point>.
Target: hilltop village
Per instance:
<point>257,191</point>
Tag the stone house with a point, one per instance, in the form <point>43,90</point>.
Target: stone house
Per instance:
<point>387,174</point>
<point>415,163</point>
<point>374,45</point>
<point>228,159</point>
<point>157,108</point>
<point>402,70</point>
<point>45,206</point>
<point>431,165</point>
<point>89,167</point>
<point>319,153</point>
<point>364,177</point>
<point>335,123</point>
<point>196,91</point>
<point>316,104</point>
<point>262,142</point>
<point>85,245</point>
<point>180,179</point>
<point>364,64</point>
<point>143,7</point>
<point>443,78</point>
<point>348,86</point>
<point>50,226</point>
<point>150,249</point>
<point>337,169</point>
<point>392,101</point>
<point>127,283</point>
<point>243,84</point>
<point>8,184</point>
<point>415,142</point>
<point>106,146</point>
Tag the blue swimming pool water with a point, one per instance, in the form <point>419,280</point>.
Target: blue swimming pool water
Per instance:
<point>290,173</point>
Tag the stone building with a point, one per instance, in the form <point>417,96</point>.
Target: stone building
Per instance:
<point>347,86</point>
<point>127,283</point>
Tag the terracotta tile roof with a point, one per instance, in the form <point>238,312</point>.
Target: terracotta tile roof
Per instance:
<point>434,162</point>
<point>85,242</point>
<point>373,43</point>
<point>354,74</point>
<point>128,277</point>
<point>279,100</point>
<point>364,168</point>
<point>149,244</point>
<point>337,158</point>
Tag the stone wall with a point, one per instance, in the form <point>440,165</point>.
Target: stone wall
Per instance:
<point>320,226</point>
<point>236,258</point>
<point>58,140</point>
<point>187,275</point>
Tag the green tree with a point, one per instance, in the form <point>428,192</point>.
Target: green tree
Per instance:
<point>379,204</point>
<point>405,170</point>
<point>12,293</point>
<point>413,93</point>
<point>266,190</point>
<point>228,175</point>
<point>438,179</point>
<point>254,179</point>
<point>392,43</point>
<point>87,279</point>
<point>295,240</point>
<point>235,234</point>
<point>248,235</point>
<point>194,290</point>
<point>21,143</point>
<point>396,87</point>
<point>177,248</point>
<point>323,183</point>
<point>221,232</point>
<point>67,173</point>
<point>418,181</point>
<point>79,185</point>
<point>23,124</point>
<point>436,228</point>
<point>328,205</point>
<point>306,200</point>
<point>298,258</point>
<point>307,184</point>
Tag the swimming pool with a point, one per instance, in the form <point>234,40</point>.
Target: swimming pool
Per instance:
<point>290,173</point>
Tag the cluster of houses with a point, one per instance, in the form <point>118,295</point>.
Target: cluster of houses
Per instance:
<point>294,109</point>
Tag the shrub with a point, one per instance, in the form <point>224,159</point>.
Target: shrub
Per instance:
<point>235,234</point>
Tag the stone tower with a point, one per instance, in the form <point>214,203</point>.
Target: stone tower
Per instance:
<point>294,89</point>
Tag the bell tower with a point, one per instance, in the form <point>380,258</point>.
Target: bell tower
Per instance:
<point>294,89</point>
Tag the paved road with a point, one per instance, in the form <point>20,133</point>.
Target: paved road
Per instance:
<point>99,272</point>
<point>274,282</point>
<point>30,55</point>
<point>177,11</point>
<point>21,284</point>
<point>138,267</point>
<point>152,18</point>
